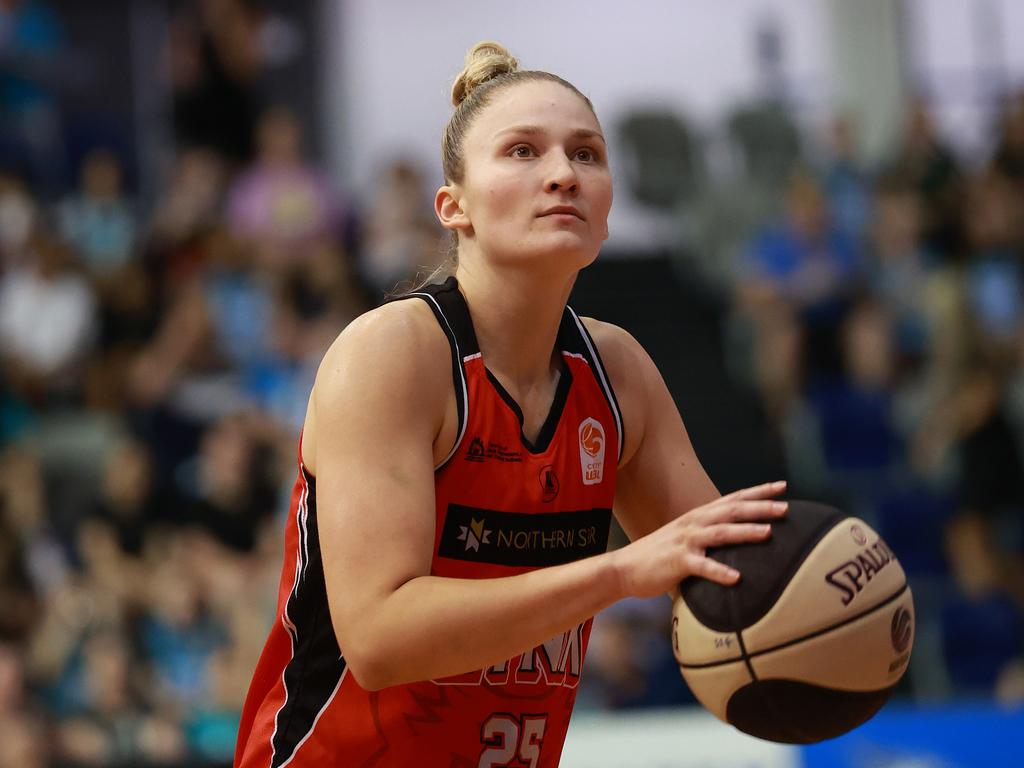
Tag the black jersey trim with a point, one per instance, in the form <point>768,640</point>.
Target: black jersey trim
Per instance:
<point>315,672</point>
<point>452,313</point>
<point>458,364</point>
<point>301,521</point>
<point>312,729</point>
<point>554,417</point>
<point>602,378</point>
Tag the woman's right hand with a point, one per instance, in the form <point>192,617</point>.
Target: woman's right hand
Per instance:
<point>657,562</point>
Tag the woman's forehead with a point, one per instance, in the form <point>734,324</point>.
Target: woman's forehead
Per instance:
<point>544,106</point>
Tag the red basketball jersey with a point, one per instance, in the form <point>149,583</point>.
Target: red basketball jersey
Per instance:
<point>504,506</point>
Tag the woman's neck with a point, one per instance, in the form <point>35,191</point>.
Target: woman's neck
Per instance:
<point>516,316</point>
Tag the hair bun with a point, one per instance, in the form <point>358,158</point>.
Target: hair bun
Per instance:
<point>484,61</point>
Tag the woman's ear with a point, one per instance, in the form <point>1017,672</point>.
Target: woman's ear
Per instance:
<point>448,207</point>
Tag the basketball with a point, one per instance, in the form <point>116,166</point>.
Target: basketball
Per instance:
<point>812,640</point>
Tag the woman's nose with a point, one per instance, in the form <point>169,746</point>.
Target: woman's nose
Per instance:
<point>562,175</point>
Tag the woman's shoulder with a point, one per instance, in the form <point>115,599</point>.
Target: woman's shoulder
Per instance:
<point>400,341</point>
<point>619,350</point>
<point>400,323</point>
<point>387,374</point>
<point>628,365</point>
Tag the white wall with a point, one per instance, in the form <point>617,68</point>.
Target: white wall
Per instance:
<point>869,54</point>
<point>396,60</point>
<point>962,54</point>
<point>683,738</point>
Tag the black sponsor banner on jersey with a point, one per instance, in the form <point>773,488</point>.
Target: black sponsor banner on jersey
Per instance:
<point>523,539</point>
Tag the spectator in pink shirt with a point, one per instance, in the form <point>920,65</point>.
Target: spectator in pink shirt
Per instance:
<point>280,202</point>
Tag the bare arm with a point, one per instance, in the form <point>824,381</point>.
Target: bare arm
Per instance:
<point>663,495</point>
<point>378,405</point>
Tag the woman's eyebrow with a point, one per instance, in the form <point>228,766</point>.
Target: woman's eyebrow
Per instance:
<point>533,130</point>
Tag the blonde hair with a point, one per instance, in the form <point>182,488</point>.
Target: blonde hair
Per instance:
<point>489,68</point>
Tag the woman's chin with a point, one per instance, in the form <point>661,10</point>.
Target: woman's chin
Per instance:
<point>572,252</point>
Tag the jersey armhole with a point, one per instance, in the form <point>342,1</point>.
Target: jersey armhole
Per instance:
<point>601,374</point>
<point>458,371</point>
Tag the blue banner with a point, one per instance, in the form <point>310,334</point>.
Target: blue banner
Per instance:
<point>954,736</point>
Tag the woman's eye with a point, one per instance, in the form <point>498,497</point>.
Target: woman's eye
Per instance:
<point>585,155</point>
<point>522,151</point>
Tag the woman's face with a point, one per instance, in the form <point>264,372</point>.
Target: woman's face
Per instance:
<point>536,184</point>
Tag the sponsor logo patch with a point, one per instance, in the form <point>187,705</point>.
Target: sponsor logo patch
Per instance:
<point>548,483</point>
<point>523,539</point>
<point>474,534</point>
<point>475,452</point>
<point>480,452</point>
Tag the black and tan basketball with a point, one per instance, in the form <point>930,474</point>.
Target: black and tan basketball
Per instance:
<point>811,641</point>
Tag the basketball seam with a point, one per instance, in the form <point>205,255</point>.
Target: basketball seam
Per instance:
<point>745,657</point>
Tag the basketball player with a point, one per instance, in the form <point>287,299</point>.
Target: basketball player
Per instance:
<point>462,451</point>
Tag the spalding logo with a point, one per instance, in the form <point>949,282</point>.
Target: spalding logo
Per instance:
<point>850,577</point>
<point>901,629</point>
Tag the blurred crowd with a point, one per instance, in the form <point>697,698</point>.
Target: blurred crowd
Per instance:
<point>882,317</point>
<point>157,359</point>
<point>876,316</point>
<point>157,356</point>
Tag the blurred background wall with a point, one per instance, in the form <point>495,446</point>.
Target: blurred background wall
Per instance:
<point>818,234</point>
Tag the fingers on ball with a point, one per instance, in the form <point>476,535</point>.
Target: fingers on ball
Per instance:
<point>718,572</point>
<point>753,510</point>
<point>734,533</point>
<point>759,491</point>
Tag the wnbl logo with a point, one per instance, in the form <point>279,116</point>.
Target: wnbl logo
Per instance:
<point>592,451</point>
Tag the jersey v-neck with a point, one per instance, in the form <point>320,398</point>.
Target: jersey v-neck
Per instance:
<point>550,425</point>
<point>547,431</point>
